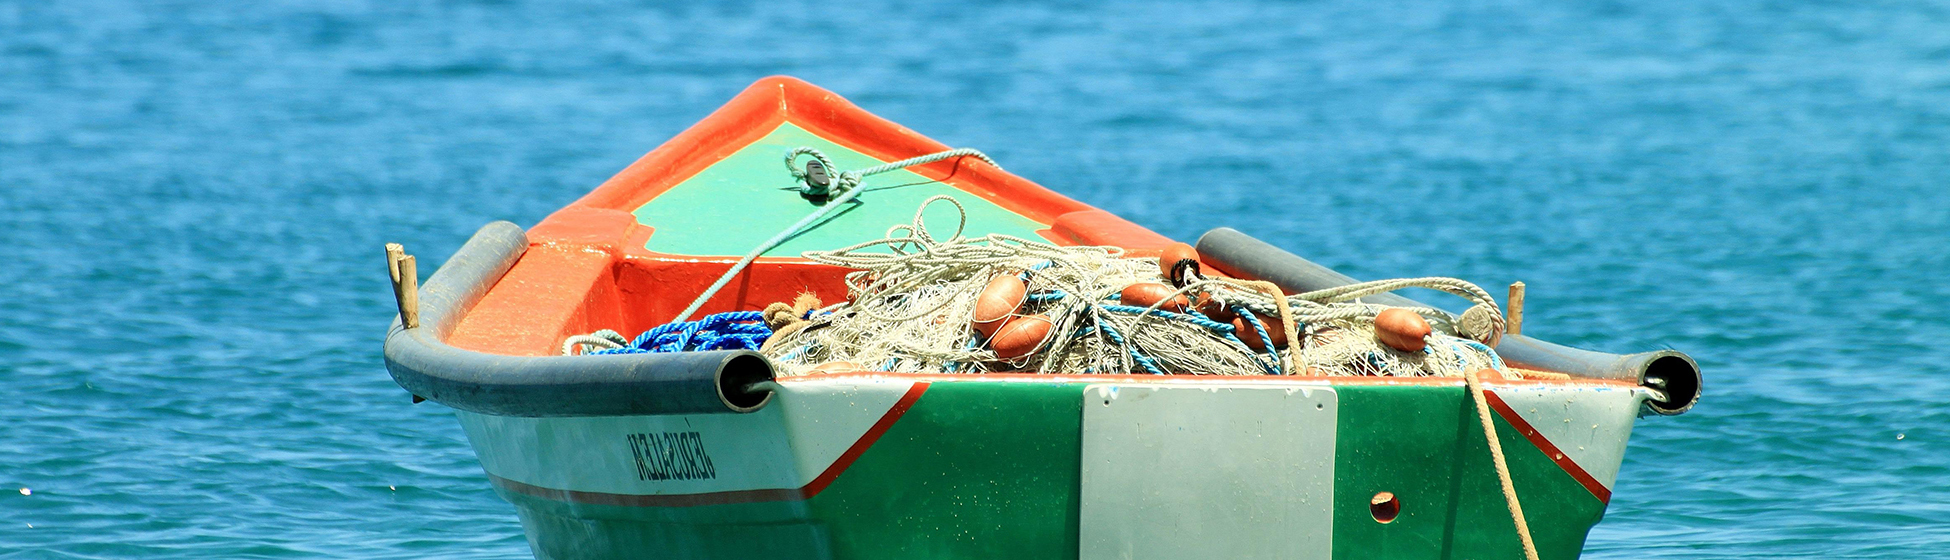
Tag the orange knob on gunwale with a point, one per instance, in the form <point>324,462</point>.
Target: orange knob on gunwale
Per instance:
<point>1146,294</point>
<point>1020,337</point>
<point>998,302</point>
<point>1401,329</point>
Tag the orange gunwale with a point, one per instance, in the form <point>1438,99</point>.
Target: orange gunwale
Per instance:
<point>586,267</point>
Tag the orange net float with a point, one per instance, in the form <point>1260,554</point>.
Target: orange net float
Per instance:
<point>1179,264</point>
<point>1401,329</point>
<point>998,302</point>
<point>1020,336</point>
<point>1275,330</point>
<point>1147,294</point>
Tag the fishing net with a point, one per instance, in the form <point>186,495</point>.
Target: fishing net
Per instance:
<point>912,300</point>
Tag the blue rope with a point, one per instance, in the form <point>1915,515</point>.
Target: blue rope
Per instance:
<point>1200,320</point>
<point>1221,328</point>
<point>1495,360</point>
<point>1146,362</point>
<point>1234,337</point>
<point>1231,333</point>
<point>952,366</point>
<point>1260,329</point>
<point>736,330</point>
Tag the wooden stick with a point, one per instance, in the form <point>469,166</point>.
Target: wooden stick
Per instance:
<point>1515,319</point>
<point>409,296</point>
<point>393,253</point>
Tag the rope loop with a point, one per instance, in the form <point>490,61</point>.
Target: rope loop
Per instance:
<point>842,190</point>
<point>807,183</point>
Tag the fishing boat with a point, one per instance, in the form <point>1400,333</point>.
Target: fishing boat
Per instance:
<point>726,454</point>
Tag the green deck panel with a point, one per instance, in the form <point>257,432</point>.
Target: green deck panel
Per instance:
<point>752,190</point>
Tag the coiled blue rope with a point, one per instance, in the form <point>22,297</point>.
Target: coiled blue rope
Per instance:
<point>1225,330</point>
<point>736,330</point>
<point>1200,320</point>
<point>1143,361</point>
<point>1260,330</point>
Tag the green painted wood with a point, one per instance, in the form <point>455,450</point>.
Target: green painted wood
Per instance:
<point>1426,445</point>
<point>974,470</point>
<point>753,190</point>
<point>771,530</point>
<point>992,469</point>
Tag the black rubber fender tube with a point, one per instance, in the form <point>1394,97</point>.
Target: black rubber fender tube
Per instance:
<point>1671,373</point>
<point>421,361</point>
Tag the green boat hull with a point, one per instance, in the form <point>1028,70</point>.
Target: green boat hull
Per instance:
<point>898,468</point>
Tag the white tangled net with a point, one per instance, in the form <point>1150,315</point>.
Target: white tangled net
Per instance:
<point>911,301</point>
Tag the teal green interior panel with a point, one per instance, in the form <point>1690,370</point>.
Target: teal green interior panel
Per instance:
<point>740,202</point>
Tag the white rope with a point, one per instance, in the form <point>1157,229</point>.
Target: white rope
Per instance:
<point>846,184</point>
<point>911,299</point>
<point>1502,468</point>
<point>600,340</point>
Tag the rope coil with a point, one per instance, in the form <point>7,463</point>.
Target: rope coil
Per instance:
<point>737,330</point>
<point>844,184</point>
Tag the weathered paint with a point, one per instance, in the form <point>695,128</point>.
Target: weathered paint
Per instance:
<point>756,178</point>
<point>1586,430</point>
<point>811,425</point>
<point>1425,445</point>
<point>954,466</point>
<point>591,264</point>
<point>996,468</point>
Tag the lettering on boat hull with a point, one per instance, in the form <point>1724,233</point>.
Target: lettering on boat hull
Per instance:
<point>671,456</point>
<point>693,459</point>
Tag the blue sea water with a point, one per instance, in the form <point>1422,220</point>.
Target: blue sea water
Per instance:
<point>193,196</point>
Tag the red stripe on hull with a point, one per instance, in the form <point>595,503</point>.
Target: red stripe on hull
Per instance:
<point>1550,450</point>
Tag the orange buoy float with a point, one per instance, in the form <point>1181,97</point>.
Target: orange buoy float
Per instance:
<point>1146,294</point>
<point>1020,337</point>
<point>1401,329</point>
<point>998,302</point>
<point>1274,329</point>
<point>1178,256</point>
